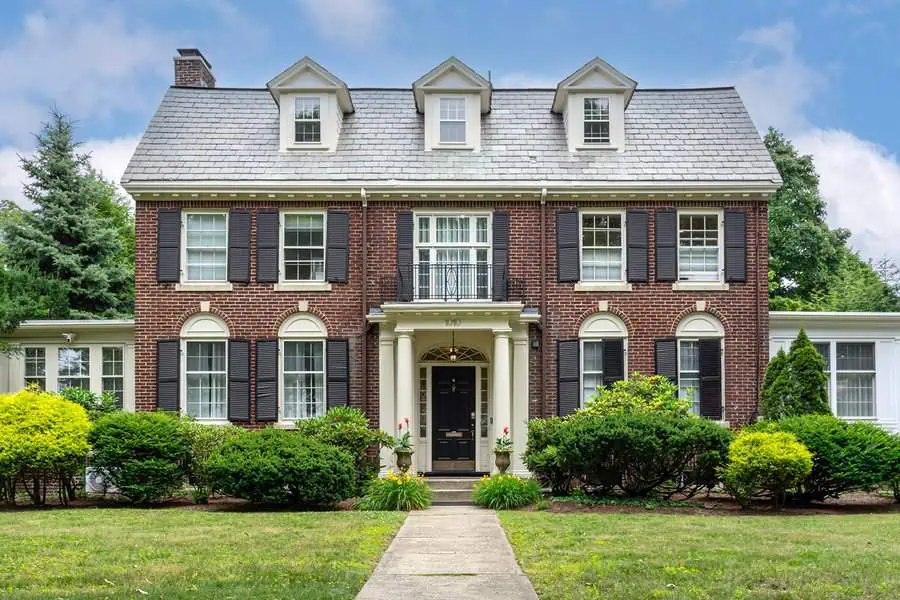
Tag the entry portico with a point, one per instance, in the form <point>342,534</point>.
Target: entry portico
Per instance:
<point>459,372</point>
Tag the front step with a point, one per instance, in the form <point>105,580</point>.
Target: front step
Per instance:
<point>451,490</point>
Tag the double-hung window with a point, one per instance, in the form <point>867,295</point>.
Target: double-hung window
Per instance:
<point>453,120</point>
<point>36,367</point>
<point>206,247</point>
<point>689,373</point>
<point>855,373</point>
<point>114,372</point>
<point>699,246</point>
<point>307,120</point>
<point>303,246</point>
<point>303,371</point>
<point>602,254</point>
<point>451,259</point>
<point>206,380</point>
<point>824,348</point>
<point>591,369</point>
<point>74,368</point>
<point>596,120</point>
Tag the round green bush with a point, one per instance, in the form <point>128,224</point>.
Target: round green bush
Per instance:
<point>638,394</point>
<point>642,454</point>
<point>277,466</point>
<point>502,492</point>
<point>765,463</point>
<point>542,454</point>
<point>43,441</point>
<point>144,455</point>
<point>847,456</point>
<point>202,440</point>
<point>396,491</point>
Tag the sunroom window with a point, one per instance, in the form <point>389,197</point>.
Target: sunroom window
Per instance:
<point>452,257</point>
<point>36,367</point>
<point>74,368</point>
<point>855,371</point>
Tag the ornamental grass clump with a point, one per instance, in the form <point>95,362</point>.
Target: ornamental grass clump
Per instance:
<point>396,491</point>
<point>501,491</point>
<point>765,464</point>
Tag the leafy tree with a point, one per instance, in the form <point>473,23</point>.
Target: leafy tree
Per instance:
<point>73,236</point>
<point>810,384</point>
<point>857,285</point>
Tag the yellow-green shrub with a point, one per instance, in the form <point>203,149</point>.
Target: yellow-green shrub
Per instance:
<point>763,463</point>
<point>43,440</point>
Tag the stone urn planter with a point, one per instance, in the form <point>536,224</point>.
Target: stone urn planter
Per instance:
<point>501,459</point>
<point>404,458</point>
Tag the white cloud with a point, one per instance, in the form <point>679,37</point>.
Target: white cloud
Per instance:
<point>352,21</point>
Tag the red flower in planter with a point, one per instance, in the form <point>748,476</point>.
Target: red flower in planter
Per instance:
<point>506,430</point>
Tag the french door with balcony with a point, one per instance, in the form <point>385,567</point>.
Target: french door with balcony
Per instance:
<point>452,257</point>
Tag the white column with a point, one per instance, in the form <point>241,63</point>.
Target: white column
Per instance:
<point>519,425</point>
<point>386,393</point>
<point>405,400</point>
<point>501,385</point>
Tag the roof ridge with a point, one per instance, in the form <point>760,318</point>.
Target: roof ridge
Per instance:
<point>404,89</point>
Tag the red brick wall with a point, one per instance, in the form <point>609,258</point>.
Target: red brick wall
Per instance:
<point>650,311</point>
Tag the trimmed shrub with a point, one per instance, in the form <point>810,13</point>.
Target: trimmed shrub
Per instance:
<point>202,440</point>
<point>277,466</point>
<point>638,394</point>
<point>795,383</point>
<point>96,405</point>
<point>143,454</point>
<point>847,457</point>
<point>765,463</point>
<point>895,470</point>
<point>396,491</point>
<point>43,443</point>
<point>501,492</point>
<point>776,387</point>
<point>348,429</point>
<point>642,454</point>
<point>542,454</point>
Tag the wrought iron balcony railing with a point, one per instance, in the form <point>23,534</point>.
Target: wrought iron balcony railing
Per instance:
<point>451,282</point>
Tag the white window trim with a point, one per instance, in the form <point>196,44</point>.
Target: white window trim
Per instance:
<point>291,423</point>
<point>588,338</point>
<point>590,285</point>
<point>465,122</point>
<point>472,244</point>
<point>287,285</point>
<point>294,143</point>
<point>586,145</point>
<point>713,285</point>
<point>198,285</point>
<point>183,376</point>
<point>832,374</point>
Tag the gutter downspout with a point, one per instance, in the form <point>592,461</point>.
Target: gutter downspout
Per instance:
<point>543,411</point>
<point>756,379</point>
<point>364,294</point>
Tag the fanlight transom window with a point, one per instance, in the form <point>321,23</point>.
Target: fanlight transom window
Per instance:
<point>463,354</point>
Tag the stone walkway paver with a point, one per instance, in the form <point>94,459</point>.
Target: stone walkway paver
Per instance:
<point>457,552</point>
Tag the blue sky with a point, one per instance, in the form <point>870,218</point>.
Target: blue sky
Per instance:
<point>827,72</point>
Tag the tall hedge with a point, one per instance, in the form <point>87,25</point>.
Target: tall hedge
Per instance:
<point>795,382</point>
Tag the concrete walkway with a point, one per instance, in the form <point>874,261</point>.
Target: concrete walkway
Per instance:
<point>457,552</point>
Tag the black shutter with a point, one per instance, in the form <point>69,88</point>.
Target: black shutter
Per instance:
<point>239,246</point>
<point>337,372</point>
<point>405,256</point>
<point>711,378</point>
<point>568,376</point>
<point>267,246</point>
<point>568,263</point>
<point>666,245</point>
<point>637,234</point>
<point>613,361</point>
<point>500,245</point>
<point>168,366</point>
<point>337,244</point>
<point>266,380</point>
<point>238,380</point>
<point>736,246</point>
<point>667,359</point>
<point>168,245</point>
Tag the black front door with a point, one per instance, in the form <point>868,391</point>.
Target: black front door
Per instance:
<point>453,420</point>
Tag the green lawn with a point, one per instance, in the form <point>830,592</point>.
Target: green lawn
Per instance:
<point>637,556</point>
<point>190,554</point>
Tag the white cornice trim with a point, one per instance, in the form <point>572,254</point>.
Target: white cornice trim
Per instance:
<point>849,317</point>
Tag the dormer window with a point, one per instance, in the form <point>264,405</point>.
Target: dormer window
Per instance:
<point>596,120</point>
<point>307,120</point>
<point>453,120</point>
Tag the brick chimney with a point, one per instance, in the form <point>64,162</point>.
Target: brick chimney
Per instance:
<point>192,69</point>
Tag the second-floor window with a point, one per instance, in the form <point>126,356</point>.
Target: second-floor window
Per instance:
<point>303,246</point>
<point>452,257</point>
<point>699,247</point>
<point>206,246</point>
<point>602,255</point>
<point>453,120</point>
<point>307,120</point>
<point>596,120</point>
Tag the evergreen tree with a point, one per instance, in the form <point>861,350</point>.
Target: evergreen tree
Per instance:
<point>773,396</point>
<point>856,285</point>
<point>68,239</point>
<point>809,394</point>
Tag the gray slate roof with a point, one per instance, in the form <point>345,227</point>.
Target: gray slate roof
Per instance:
<point>223,134</point>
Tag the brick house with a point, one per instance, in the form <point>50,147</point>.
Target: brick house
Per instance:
<point>457,255</point>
